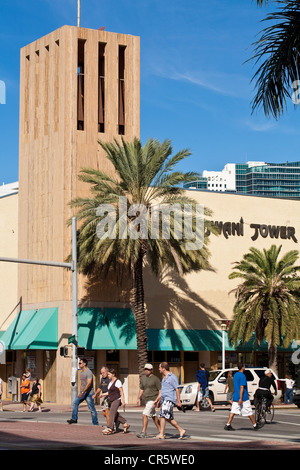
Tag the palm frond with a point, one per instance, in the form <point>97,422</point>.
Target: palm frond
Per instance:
<point>267,298</point>
<point>276,53</point>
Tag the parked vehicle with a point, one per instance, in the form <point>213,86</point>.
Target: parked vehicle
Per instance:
<point>216,384</point>
<point>296,388</point>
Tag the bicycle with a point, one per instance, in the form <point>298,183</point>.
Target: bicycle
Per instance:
<point>262,413</point>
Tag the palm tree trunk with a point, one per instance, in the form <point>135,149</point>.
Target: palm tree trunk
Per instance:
<point>139,313</point>
<point>272,356</point>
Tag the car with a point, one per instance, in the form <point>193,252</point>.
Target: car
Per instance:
<point>216,385</point>
<point>296,395</point>
<point>296,388</point>
<point>188,396</point>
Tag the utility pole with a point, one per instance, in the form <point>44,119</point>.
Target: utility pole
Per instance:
<point>74,385</point>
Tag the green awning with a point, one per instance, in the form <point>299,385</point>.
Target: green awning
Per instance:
<point>16,328</point>
<point>184,340</point>
<point>33,329</point>
<point>113,328</point>
<point>42,332</point>
<point>122,328</point>
<point>198,340</point>
<point>93,332</point>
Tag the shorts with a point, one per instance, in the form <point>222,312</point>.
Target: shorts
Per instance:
<point>229,396</point>
<point>205,392</point>
<point>166,410</point>
<point>24,397</point>
<point>35,399</point>
<point>149,409</point>
<point>104,403</point>
<point>245,409</point>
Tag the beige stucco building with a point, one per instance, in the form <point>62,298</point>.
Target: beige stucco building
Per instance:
<point>9,303</point>
<point>184,313</point>
<point>77,86</point>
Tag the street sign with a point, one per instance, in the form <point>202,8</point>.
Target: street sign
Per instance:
<point>72,339</point>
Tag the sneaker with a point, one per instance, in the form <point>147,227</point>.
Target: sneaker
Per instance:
<point>141,434</point>
<point>72,421</point>
<point>228,427</point>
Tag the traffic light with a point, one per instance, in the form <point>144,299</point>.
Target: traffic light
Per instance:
<point>66,351</point>
<point>80,351</point>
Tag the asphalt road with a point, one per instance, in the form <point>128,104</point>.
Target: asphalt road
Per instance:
<point>205,430</point>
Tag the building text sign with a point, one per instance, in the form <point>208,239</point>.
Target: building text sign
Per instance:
<point>259,230</point>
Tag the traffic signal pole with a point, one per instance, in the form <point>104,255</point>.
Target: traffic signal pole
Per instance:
<point>74,385</point>
<point>72,267</point>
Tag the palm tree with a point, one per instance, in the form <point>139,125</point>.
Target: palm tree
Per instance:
<point>276,54</point>
<point>145,176</point>
<point>267,300</point>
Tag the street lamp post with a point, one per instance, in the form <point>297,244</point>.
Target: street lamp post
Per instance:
<point>74,386</point>
<point>223,328</point>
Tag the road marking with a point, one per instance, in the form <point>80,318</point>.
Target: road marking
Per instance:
<point>260,436</point>
<point>286,422</point>
<point>220,439</point>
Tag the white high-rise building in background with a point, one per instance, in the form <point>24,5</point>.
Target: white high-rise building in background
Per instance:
<point>221,180</point>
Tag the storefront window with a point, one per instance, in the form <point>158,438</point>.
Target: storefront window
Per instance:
<point>159,356</point>
<point>112,356</point>
<point>30,363</point>
<point>190,356</point>
<point>173,356</point>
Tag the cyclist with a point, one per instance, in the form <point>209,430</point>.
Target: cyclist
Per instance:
<point>264,386</point>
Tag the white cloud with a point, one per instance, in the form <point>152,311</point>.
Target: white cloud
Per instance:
<point>225,84</point>
<point>261,126</point>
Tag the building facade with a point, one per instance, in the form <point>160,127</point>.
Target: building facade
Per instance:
<point>9,304</point>
<point>255,178</point>
<point>184,314</point>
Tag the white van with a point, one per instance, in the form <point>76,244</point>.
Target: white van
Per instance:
<point>217,383</point>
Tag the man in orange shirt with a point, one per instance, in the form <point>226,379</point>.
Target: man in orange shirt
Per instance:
<point>25,389</point>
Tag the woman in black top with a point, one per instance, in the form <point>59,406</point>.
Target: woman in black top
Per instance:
<point>35,395</point>
<point>116,398</point>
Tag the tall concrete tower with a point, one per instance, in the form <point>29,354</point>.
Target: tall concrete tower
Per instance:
<point>77,86</point>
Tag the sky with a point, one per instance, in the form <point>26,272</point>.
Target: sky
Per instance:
<point>196,85</point>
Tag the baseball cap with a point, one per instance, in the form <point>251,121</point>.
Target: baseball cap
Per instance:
<point>148,366</point>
